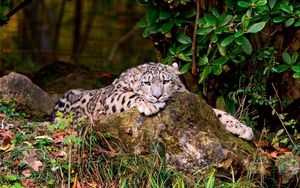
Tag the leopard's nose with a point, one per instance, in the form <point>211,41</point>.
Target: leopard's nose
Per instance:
<point>157,91</point>
<point>157,96</point>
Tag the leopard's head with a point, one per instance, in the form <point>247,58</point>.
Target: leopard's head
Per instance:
<point>159,82</point>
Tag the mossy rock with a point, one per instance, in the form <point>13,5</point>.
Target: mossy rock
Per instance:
<point>189,131</point>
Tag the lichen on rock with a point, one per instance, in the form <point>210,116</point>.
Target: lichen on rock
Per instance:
<point>190,132</point>
<point>28,96</point>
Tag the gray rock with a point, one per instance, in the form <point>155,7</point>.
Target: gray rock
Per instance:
<point>27,95</point>
<point>191,134</point>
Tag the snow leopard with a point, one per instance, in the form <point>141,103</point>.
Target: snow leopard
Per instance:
<point>146,87</point>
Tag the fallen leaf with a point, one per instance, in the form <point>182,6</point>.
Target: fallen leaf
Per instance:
<point>6,141</point>
<point>73,132</point>
<point>61,153</point>
<point>26,173</point>
<point>35,165</point>
<point>282,149</point>
<point>41,137</point>
<point>262,143</point>
<point>76,184</point>
<point>273,154</point>
<point>9,148</point>
<point>59,136</point>
<point>15,163</point>
<point>2,115</point>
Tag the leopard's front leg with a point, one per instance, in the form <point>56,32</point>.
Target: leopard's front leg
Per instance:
<point>148,108</point>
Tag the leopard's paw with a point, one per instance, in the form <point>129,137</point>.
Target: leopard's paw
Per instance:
<point>149,108</point>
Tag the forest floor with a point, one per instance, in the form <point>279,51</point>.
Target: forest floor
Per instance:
<point>47,154</point>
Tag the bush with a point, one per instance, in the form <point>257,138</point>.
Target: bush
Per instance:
<point>237,50</point>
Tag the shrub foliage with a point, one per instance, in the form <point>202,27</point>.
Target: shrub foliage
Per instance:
<point>242,51</point>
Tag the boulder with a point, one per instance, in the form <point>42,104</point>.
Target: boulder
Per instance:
<point>190,133</point>
<point>27,95</point>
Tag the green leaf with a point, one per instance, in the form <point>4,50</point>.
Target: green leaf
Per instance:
<point>222,49</point>
<point>178,22</point>
<point>142,24</point>
<point>289,22</point>
<point>152,15</point>
<point>189,13</point>
<point>230,4</point>
<point>204,31</point>
<point>261,3</point>
<point>227,30</point>
<point>146,33</point>
<point>296,75</point>
<point>256,27</point>
<point>220,61</point>
<point>272,3</point>
<point>238,33</point>
<point>210,19</point>
<point>224,19</point>
<point>184,57</point>
<point>203,60</point>
<point>266,18</point>
<point>182,47</point>
<point>215,12</point>
<point>217,69</point>
<point>183,38</point>
<point>244,4</point>
<point>219,30</point>
<point>249,13</point>
<point>297,24</point>
<point>10,177</point>
<point>185,68</point>
<point>281,68</point>
<point>166,60</point>
<point>166,27</point>
<point>246,45</point>
<point>154,28</point>
<point>285,7</point>
<point>296,68</point>
<point>245,20</point>
<point>206,71</point>
<point>214,38</point>
<point>142,2</point>
<point>172,50</point>
<point>163,15</point>
<point>228,40</point>
<point>279,19</point>
<point>294,57</point>
<point>287,58</point>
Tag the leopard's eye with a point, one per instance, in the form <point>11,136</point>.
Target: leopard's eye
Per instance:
<point>147,83</point>
<point>166,81</point>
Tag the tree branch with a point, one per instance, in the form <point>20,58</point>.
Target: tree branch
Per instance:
<point>194,45</point>
<point>14,11</point>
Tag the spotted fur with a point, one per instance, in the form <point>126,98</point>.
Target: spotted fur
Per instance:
<point>146,87</point>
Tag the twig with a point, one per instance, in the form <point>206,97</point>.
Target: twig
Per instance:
<point>15,10</point>
<point>70,164</point>
<point>240,110</point>
<point>276,93</point>
<point>2,124</point>
<point>194,45</point>
<point>282,123</point>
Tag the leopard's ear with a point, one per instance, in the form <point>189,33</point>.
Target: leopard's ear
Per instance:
<point>175,67</point>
